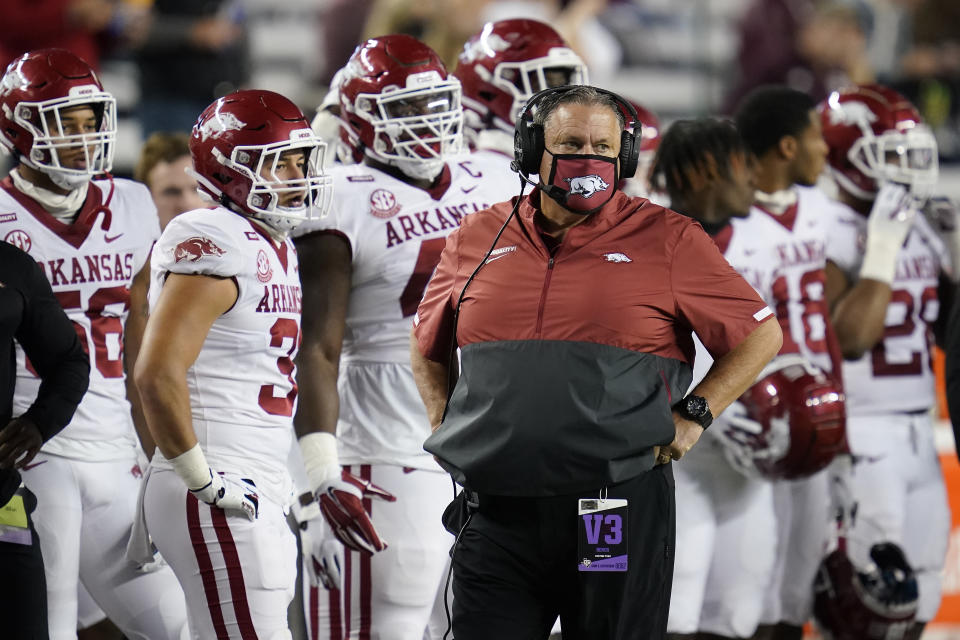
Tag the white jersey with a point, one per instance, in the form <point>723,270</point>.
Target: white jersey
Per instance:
<point>895,376</point>
<point>396,233</point>
<point>90,265</point>
<point>242,389</point>
<point>783,256</point>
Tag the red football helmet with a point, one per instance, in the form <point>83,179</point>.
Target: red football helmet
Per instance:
<point>876,602</point>
<point>399,105</point>
<point>639,185</point>
<point>790,424</point>
<point>236,146</point>
<point>36,91</point>
<point>328,126</point>
<point>876,135</point>
<point>506,63</point>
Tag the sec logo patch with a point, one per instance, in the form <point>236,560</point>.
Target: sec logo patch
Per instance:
<point>383,204</point>
<point>19,239</point>
<point>264,270</point>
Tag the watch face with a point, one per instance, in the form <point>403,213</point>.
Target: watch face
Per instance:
<point>696,406</point>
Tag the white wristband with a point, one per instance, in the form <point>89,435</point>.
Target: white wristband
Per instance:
<point>880,258</point>
<point>192,468</point>
<point>319,451</point>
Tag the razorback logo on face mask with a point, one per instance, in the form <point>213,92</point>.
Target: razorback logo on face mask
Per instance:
<point>586,186</point>
<point>194,248</point>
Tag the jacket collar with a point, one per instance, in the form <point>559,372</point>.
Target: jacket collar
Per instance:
<point>619,207</point>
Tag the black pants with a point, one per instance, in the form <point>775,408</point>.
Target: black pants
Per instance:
<point>515,568</point>
<point>23,588</point>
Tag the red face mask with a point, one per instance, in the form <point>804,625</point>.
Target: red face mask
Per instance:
<point>581,183</point>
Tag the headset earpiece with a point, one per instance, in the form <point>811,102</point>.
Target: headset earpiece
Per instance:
<point>528,146</point>
<point>528,140</point>
<point>629,152</point>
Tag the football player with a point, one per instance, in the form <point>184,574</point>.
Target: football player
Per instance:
<point>725,525</point>
<point>782,130</point>
<point>650,133</point>
<point>884,281</point>
<point>92,238</point>
<point>507,62</point>
<point>364,270</point>
<point>501,67</point>
<point>216,370</point>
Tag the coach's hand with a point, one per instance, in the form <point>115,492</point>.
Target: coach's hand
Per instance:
<point>239,497</point>
<point>687,434</point>
<point>322,552</point>
<point>20,441</point>
<point>341,501</point>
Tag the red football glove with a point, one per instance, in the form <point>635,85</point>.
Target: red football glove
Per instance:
<point>341,502</point>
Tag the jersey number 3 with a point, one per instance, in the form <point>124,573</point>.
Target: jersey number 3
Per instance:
<point>281,405</point>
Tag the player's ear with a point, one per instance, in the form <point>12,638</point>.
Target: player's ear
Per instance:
<point>787,147</point>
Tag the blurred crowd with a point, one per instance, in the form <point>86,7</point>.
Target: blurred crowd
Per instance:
<point>189,52</point>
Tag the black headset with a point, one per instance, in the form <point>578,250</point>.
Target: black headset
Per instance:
<point>528,142</point>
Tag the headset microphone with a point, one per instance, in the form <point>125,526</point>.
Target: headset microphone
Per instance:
<point>558,194</point>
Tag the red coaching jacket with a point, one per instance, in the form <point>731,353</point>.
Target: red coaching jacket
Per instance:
<point>572,359</point>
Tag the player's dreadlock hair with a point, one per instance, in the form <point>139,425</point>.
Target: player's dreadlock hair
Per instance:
<point>769,113</point>
<point>693,148</point>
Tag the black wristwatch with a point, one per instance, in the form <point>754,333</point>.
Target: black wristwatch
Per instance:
<point>695,408</point>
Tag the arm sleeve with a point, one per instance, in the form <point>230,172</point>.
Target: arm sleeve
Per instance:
<point>194,244</point>
<point>710,296</point>
<point>49,340</point>
<point>433,322</point>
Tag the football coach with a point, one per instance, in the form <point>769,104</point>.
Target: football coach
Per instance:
<point>574,309</point>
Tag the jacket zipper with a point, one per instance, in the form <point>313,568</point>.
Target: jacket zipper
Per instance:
<point>543,296</point>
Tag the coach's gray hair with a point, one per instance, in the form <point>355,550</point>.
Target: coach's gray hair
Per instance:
<point>580,94</point>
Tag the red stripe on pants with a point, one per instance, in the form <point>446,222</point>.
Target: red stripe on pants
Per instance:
<point>336,624</point>
<point>347,584</point>
<point>206,567</point>
<point>366,591</point>
<point>314,604</point>
<point>238,592</point>
<point>334,631</point>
